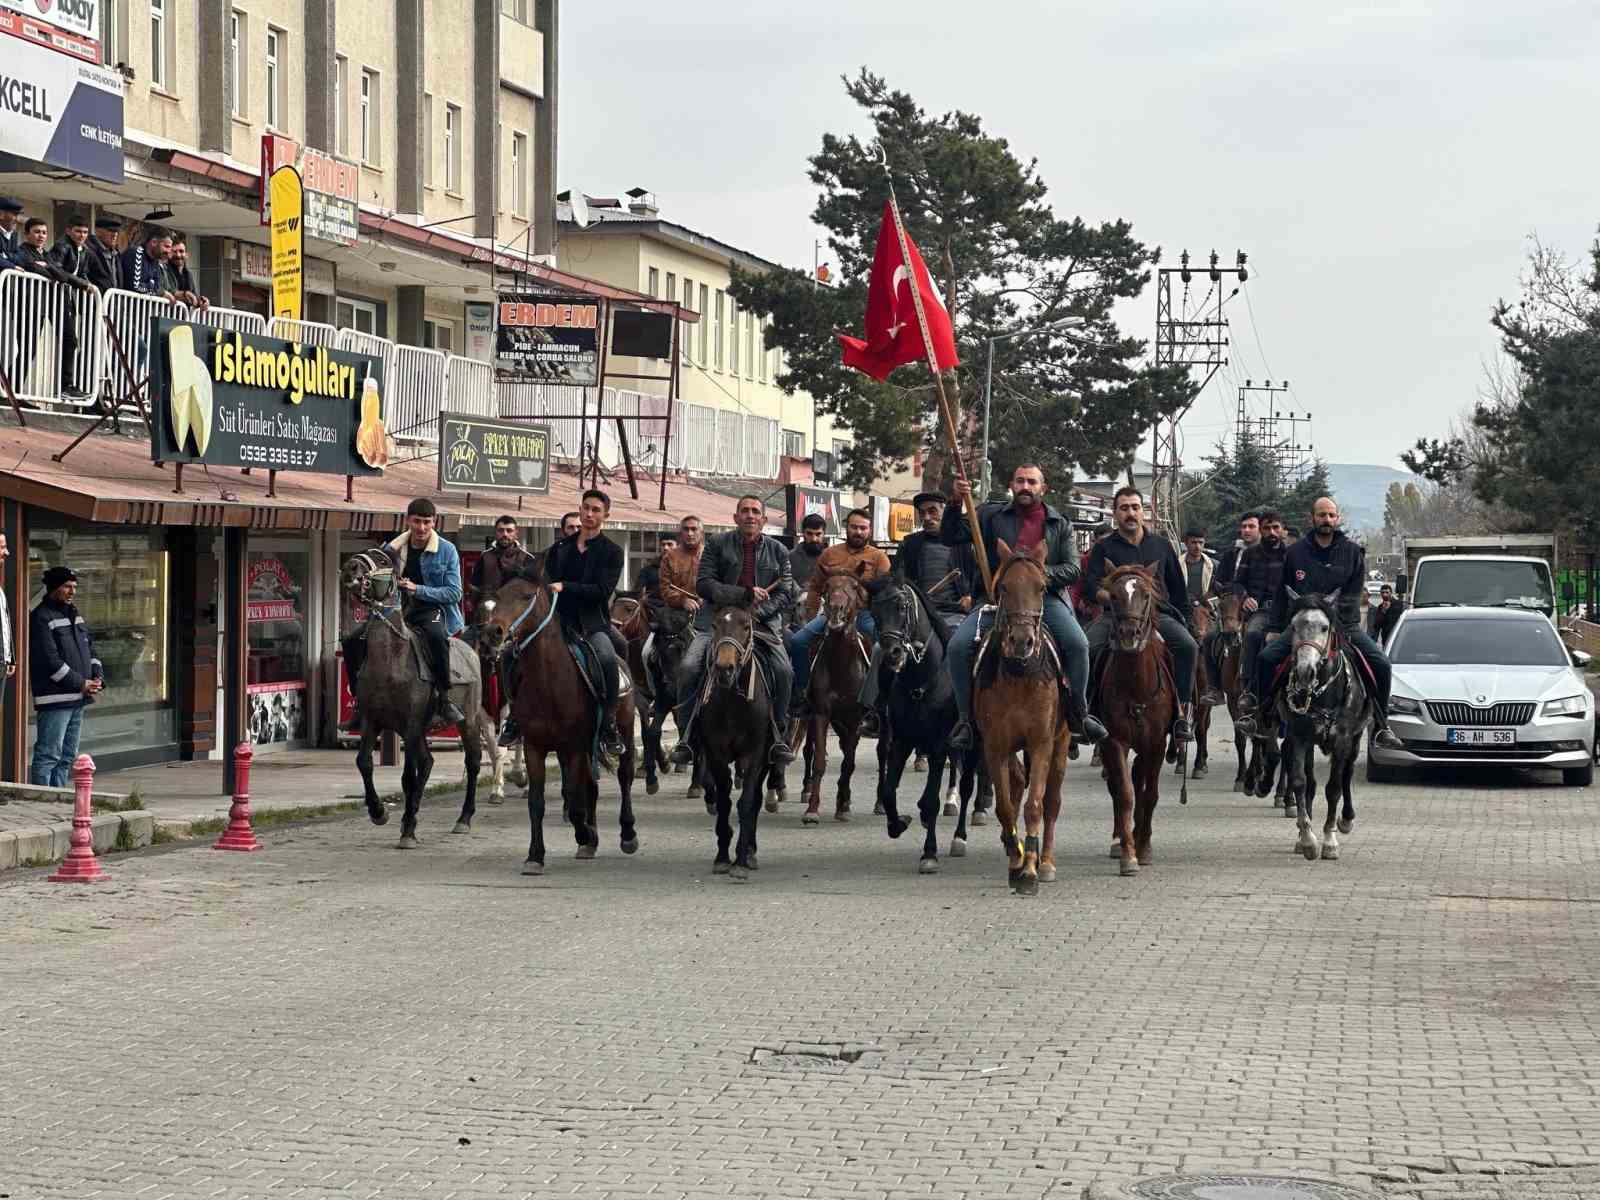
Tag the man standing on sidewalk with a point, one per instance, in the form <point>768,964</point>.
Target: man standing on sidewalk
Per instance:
<point>8,641</point>
<point>65,674</point>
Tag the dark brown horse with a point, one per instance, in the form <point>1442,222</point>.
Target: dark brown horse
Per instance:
<point>632,620</point>
<point>555,711</point>
<point>1016,703</point>
<point>836,679</point>
<point>735,724</point>
<point>1201,617</point>
<point>1138,700</point>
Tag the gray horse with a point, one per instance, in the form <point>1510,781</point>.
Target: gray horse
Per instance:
<point>1324,702</point>
<point>394,699</point>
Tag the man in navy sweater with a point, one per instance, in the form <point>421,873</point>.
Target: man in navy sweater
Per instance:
<point>65,674</point>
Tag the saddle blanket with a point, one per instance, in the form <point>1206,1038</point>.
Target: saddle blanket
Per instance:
<point>987,642</point>
<point>463,662</point>
<point>589,669</point>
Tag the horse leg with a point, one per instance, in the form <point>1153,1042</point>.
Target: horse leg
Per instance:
<point>1006,798</point>
<point>1347,818</point>
<point>1336,768</point>
<point>816,747</point>
<point>719,779</point>
<point>697,784</point>
<point>489,740</point>
<point>984,803</point>
<point>534,864</point>
<point>473,731</point>
<point>650,734</point>
<point>580,793</point>
<point>928,808</point>
<point>1052,809</point>
<point>744,857</point>
<point>419,762</point>
<point>1147,794</point>
<point>375,810</point>
<point>1202,732</point>
<point>969,778</point>
<point>1038,758</point>
<point>625,777</point>
<point>1243,773</point>
<point>889,774</point>
<point>1300,785</point>
<point>1119,782</point>
<point>848,740</point>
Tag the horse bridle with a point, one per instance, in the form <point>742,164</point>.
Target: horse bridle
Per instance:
<point>1145,623</point>
<point>1333,650</point>
<point>375,587</point>
<point>906,604</point>
<point>1032,618</point>
<point>746,653</point>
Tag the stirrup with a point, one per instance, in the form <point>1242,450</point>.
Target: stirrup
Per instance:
<point>1182,730</point>
<point>780,755</point>
<point>682,755</point>
<point>510,735</point>
<point>1393,741</point>
<point>1093,731</point>
<point>961,736</point>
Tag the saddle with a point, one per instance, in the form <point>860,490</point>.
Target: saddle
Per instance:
<point>1101,663</point>
<point>589,667</point>
<point>463,661</point>
<point>987,640</point>
<point>1341,645</point>
<point>855,635</point>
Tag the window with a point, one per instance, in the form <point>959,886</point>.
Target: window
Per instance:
<point>733,335</point>
<point>716,334</point>
<point>427,139</point>
<point>519,184</point>
<point>158,43</point>
<point>439,335</point>
<point>705,317</point>
<point>360,315</point>
<point>237,104</point>
<point>113,34</point>
<point>275,106</point>
<point>341,103</point>
<point>655,282</point>
<point>749,351</point>
<point>687,334</point>
<point>279,665</point>
<point>517,10</point>
<point>452,148</point>
<point>762,353</point>
<point>370,118</point>
<point>794,444</point>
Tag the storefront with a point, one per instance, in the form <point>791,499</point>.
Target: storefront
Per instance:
<point>280,593</point>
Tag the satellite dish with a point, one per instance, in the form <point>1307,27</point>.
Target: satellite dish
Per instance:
<point>580,209</point>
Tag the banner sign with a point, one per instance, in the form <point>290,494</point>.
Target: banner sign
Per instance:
<point>60,111</point>
<point>902,520</point>
<point>553,338</point>
<point>288,244</point>
<point>68,26</point>
<point>332,189</point>
<point>803,501</point>
<point>480,455</point>
<point>254,264</point>
<point>236,400</point>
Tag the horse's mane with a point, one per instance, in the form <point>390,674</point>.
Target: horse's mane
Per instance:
<point>934,619</point>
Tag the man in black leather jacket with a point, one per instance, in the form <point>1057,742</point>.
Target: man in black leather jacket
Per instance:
<point>1022,523</point>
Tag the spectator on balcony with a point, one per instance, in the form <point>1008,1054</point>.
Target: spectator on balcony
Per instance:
<point>144,266</point>
<point>182,278</point>
<point>103,266</point>
<point>70,255</point>
<point>10,235</point>
<point>34,259</point>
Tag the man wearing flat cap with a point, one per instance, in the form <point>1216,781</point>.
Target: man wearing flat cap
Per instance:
<point>947,575</point>
<point>102,264</point>
<point>65,674</point>
<point>10,235</point>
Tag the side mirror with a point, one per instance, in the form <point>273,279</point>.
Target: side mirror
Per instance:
<point>1581,659</point>
<point>1402,584</point>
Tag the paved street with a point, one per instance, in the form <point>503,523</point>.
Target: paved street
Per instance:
<point>333,1017</point>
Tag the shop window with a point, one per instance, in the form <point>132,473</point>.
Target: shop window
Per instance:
<point>277,588</point>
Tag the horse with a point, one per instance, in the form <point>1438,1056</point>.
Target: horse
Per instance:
<point>735,724</point>
<point>555,711</point>
<point>1138,700</point>
<point>1017,706</point>
<point>836,679</point>
<point>1324,702</point>
<point>1256,757</point>
<point>632,620</point>
<point>1202,616</point>
<point>921,704</point>
<point>393,698</point>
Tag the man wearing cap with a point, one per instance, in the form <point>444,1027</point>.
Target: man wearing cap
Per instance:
<point>10,235</point>
<point>34,258</point>
<point>70,256</point>
<point>65,674</point>
<point>947,575</point>
<point>103,265</point>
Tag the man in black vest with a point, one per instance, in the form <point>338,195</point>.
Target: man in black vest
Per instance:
<point>103,267</point>
<point>947,575</point>
<point>1257,583</point>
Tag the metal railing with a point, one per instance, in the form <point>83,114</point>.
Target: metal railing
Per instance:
<point>50,345</point>
<point>469,386</point>
<point>415,387</point>
<point>232,319</point>
<point>126,336</point>
<point>306,333</point>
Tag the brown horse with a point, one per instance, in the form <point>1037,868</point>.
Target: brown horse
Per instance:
<point>632,620</point>
<point>841,668</point>
<point>1016,703</point>
<point>1202,617</point>
<point>555,711</point>
<point>1138,700</point>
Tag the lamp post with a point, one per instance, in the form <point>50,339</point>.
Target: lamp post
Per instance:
<point>988,382</point>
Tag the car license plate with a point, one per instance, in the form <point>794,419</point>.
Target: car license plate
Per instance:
<point>1481,737</point>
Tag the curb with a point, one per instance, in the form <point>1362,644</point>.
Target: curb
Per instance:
<point>42,845</point>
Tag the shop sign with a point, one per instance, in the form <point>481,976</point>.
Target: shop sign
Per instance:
<point>902,520</point>
<point>479,455</point>
<point>480,331</point>
<point>255,267</point>
<point>69,26</point>
<point>803,501</point>
<point>236,400</point>
<point>59,110</point>
<point>271,592</point>
<point>288,244</point>
<point>332,189</point>
<point>551,338</point>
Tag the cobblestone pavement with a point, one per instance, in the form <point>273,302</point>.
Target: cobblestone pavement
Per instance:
<point>334,1017</point>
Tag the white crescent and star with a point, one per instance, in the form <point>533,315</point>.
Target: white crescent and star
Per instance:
<point>900,274</point>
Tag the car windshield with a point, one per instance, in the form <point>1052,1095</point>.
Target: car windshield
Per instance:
<point>1489,641</point>
<point>1489,584</point>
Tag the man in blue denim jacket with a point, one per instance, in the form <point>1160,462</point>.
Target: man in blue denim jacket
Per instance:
<point>428,571</point>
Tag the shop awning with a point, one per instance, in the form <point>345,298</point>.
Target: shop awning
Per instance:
<point>111,478</point>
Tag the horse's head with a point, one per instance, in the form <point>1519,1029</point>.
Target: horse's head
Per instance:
<point>630,616</point>
<point>509,610</point>
<point>733,632</point>
<point>368,578</point>
<point>1202,618</point>
<point>1230,608</point>
<point>1135,606</point>
<point>903,627</point>
<point>1019,588</point>
<point>842,598</point>
<point>1314,626</point>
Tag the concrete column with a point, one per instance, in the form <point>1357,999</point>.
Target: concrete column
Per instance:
<point>485,116</point>
<point>547,19</point>
<point>215,67</point>
<point>410,303</point>
<point>410,66</point>
<point>211,258</point>
<point>321,121</point>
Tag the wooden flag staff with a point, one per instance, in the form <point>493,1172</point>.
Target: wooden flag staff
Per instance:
<point>946,419</point>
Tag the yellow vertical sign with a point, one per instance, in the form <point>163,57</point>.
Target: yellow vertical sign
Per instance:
<point>288,242</point>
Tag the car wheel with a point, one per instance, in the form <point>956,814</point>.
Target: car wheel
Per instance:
<point>1377,773</point>
<point>1578,776</point>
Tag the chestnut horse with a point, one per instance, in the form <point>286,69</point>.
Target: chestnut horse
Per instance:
<point>841,668</point>
<point>555,711</point>
<point>1138,700</point>
<point>1016,703</point>
<point>632,620</point>
<point>1201,616</point>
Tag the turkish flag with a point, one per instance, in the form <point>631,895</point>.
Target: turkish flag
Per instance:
<point>893,336</point>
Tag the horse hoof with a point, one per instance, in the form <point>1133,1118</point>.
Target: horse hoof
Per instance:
<point>532,868</point>
<point>1309,849</point>
<point>1238,786</point>
<point>1146,857</point>
<point>811,817</point>
<point>771,803</point>
<point>652,786</point>
<point>739,874</point>
<point>629,845</point>
<point>496,801</point>
<point>1130,866</point>
<point>1330,852</point>
<point>1200,771</point>
<point>1346,826</point>
<point>928,866</point>
<point>462,827</point>
<point>695,791</point>
<point>958,847</point>
<point>1288,811</point>
<point>407,843</point>
<point>979,817</point>
<point>1047,872</point>
<point>379,814</point>
<point>1026,885</point>
<point>951,808</point>
<point>584,853</point>
<point>877,808</point>
<point>711,808</point>
<point>841,814</point>
<point>1116,850</point>
<point>721,867</point>
<point>898,826</point>
<point>753,864</point>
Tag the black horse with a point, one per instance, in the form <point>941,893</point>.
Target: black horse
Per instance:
<point>735,729</point>
<point>921,705</point>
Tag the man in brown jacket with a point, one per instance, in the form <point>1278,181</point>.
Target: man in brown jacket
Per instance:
<point>862,559</point>
<point>680,565</point>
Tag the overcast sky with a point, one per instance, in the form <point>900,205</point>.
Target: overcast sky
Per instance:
<point>1381,164</point>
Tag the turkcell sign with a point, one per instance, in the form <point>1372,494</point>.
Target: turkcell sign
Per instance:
<point>59,111</point>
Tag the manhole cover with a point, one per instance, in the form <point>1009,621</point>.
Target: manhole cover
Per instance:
<point>1242,1187</point>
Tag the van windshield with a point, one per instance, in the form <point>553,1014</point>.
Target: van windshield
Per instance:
<point>1483,582</point>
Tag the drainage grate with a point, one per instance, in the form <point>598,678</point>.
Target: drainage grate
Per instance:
<point>824,1057</point>
<point>1240,1187</point>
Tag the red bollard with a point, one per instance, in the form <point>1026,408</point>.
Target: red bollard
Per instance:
<point>81,865</point>
<point>238,835</point>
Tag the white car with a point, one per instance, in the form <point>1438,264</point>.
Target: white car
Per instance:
<point>1486,685</point>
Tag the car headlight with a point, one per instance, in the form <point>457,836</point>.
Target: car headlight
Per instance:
<point>1404,706</point>
<point>1567,706</point>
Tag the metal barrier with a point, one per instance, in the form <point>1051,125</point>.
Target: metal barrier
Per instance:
<point>412,406</point>
<point>303,333</point>
<point>232,319</point>
<point>50,343</point>
<point>538,401</point>
<point>469,387</point>
<point>730,443</point>
<point>127,333</point>
<point>696,429</point>
<point>760,447</point>
<point>380,348</point>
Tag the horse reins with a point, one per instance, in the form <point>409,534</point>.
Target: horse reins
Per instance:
<point>511,630</point>
<point>1033,617</point>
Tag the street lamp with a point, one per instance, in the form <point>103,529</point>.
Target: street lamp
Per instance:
<point>988,381</point>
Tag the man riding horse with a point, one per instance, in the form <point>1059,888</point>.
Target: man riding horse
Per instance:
<point>1323,563</point>
<point>742,566</point>
<point>859,557</point>
<point>1025,522</point>
<point>1131,545</point>
<point>501,562</point>
<point>1257,582</point>
<point>673,604</point>
<point>428,571</point>
<point>583,570</point>
<point>803,558</point>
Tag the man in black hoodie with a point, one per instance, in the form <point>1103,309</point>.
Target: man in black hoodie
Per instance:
<point>1325,562</point>
<point>1257,583</point>
<point>803,558</point>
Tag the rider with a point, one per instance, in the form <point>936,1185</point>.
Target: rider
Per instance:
<point>947,575</point>
<point>862,559</point>
<point>742,566</point>
<point>677,602</point>
<point>1130,544</point>
<point>1222,581</point>
<point>1022,524</point>
<point>503,561</point>
<point>428,570</point>
<point>571,522</point>
<point>1257,582</point>
<point>650,578</point>
<point>803,558</point>
<point>1323,563</point>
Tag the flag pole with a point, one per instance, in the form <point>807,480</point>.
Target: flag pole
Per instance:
<point>946,419</point>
